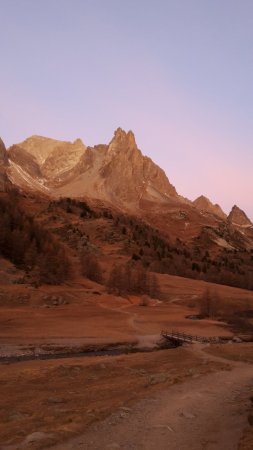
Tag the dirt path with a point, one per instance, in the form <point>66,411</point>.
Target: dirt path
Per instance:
<point>206,413</point>
<point>121,309</point>
<point>143,341</point>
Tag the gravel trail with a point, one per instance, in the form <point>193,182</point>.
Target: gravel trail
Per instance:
<point>206,413</point>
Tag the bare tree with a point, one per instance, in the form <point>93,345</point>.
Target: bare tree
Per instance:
<point>91,268</point>
<point>154,288</point>
<point>129,280</point>
<point>210,304</point>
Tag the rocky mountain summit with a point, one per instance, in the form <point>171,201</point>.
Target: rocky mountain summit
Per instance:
<point>238,218</point>
<point>46,158</point>
<point>129,174</point>
<point>204,204</point>
<point>117,172</point>
<point>120,176</point>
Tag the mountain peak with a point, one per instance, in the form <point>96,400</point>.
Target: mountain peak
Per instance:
<point>203,203</point>
<point>43,149</point>
<point>131,137</point>
<point>119,133</point>
<point>202,199</point>
<point>78,142</point>
<point>122,140</point>
<point>238,217</point>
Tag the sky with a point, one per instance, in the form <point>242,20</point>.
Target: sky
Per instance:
<point>178,73</point>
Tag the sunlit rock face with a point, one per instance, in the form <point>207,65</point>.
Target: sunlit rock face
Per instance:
<point>117,172</point>
<point>129,174</point>
<point>49,158</point>
<point>204,204</point>
<point>238,217</point>
<point>40,163</point>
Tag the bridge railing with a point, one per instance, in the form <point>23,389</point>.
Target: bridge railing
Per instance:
<point>181,336</point>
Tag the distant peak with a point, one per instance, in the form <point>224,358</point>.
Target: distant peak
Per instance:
<point>78,142</point>
<point>203,203</point>
<point>238,217</point>
<point>35,141</point>
<point>37,137</point>
<point>203,199</point>
<point>119,133</point>
<point>131,137</point>
<point>236,210</point>
<point>122,139</point>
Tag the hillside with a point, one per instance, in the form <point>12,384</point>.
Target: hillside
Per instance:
<point>89,276</point>
<point>163,231</point>
<point>73,229</point>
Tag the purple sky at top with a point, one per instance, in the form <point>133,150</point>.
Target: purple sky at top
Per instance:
<point>178,73</point>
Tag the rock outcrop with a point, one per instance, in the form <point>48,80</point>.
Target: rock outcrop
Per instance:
<point>202,203</point>
<point>237,217</point>
<point>130,175</point>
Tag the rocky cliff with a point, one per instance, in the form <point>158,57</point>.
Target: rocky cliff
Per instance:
<point>202,203</point>
<point>117,172</point>
<point>238,218</point>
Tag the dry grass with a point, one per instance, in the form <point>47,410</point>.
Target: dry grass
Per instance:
<point>64,397</point>
<point>233,352</point>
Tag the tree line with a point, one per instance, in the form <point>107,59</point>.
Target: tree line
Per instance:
<point>31,247</point>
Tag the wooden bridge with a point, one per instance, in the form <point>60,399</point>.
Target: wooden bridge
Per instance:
<point>178,338</point>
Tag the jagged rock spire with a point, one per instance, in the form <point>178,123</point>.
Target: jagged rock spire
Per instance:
<point>122,140</point>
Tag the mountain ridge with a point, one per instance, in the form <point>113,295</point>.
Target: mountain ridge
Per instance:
<point>114,172</point>
<point>117,172</point>
<point>120,184</point>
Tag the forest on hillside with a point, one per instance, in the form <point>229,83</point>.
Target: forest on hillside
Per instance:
<point>44,253</point>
